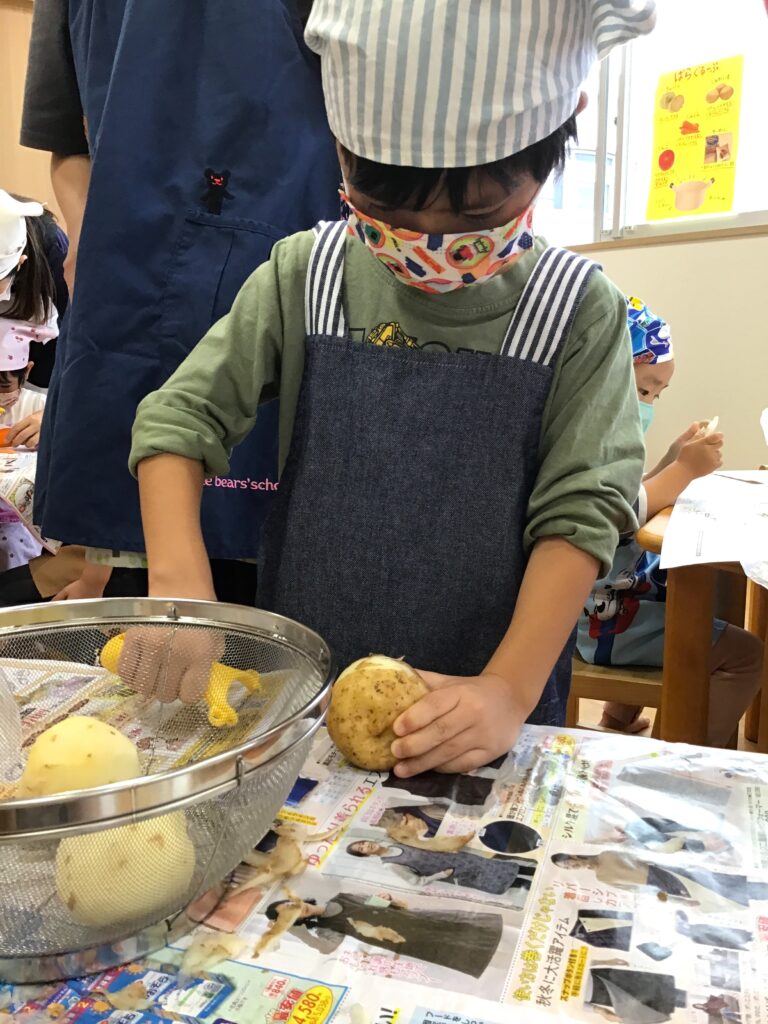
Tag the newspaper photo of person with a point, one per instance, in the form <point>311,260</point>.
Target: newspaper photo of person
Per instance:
<point>713,892</point>
<point>419,934</point>
<point>634,997</point>
<point>461,868</point>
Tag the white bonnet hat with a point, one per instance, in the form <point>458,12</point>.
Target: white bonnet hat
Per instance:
<point>457,83</point>
<point>13,230</point>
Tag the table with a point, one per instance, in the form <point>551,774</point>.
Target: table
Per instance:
<point>690,599</point>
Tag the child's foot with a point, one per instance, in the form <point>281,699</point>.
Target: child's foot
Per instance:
<point>624,718</point>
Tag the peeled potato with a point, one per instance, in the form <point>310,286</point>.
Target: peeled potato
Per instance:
<point>126,873</point>
<point>366,700</point>
<point>78,753</point>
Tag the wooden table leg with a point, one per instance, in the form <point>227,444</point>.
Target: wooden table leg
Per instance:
<point>752,720</point>
<point>762,732</point>
<point>687,654</point>
<point>756,621</point>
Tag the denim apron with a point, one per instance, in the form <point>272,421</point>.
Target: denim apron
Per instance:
<point>398,527</point>
<point>209,142</point>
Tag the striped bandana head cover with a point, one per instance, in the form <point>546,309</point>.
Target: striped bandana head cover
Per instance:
<point>454,83</point>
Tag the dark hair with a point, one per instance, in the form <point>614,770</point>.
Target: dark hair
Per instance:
<point>13,377</point>
<point>34,292</point>
<point>564,858</point>
<point>356,853</point>
<point>411,187</point>
<point>272,909</point>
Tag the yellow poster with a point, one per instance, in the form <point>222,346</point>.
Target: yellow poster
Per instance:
<point>695,138</point>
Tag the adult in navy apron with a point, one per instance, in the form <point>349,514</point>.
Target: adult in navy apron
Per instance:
<point>209,142</point>
<point>385,536</point>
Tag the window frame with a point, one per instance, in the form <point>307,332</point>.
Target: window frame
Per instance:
<point>609,226</point>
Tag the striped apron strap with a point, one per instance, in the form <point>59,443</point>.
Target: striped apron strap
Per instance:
<point>323,308</point>
<point>543,317</point>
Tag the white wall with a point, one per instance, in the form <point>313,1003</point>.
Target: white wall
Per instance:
<point>714,293</point>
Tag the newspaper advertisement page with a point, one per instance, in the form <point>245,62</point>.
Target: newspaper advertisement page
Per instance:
<point>652,901</point>
<point>582,877</point>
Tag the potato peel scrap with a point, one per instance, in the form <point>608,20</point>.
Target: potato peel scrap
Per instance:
<point>286,860</point>
<point>208,950</point>
<point>410,832</point>
<point>287,916</point>
<point>324,837</point>
<point>132,997</point>
<point>373,931</point>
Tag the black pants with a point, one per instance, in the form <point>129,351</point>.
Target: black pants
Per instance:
<point>234,582</point>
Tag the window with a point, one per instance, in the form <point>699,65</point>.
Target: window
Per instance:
<point>603,193</point>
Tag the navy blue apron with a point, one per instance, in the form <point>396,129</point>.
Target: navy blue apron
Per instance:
<point>209,142</point>
<point>398,528</point>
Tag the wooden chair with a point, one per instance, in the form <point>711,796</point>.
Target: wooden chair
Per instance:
<point>625,684</point>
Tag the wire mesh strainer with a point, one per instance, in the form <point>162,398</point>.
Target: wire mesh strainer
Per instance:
<point>96,877</point>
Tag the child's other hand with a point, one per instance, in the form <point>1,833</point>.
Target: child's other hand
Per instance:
<point>463,723</point>
<point>26,433</point>
<point>80,590</point>
<point>702,455</point>
<point>677,445</point>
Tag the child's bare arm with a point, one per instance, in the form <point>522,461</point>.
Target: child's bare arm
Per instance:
<point>700,455</point>
<point>467,722</point>
<point>165,663</point>
<point>171,488</point>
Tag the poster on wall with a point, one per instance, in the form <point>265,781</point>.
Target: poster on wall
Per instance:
<point>695,140</point>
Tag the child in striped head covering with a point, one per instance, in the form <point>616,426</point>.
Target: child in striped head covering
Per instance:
<point>623,622</point>
<point>445,495</point>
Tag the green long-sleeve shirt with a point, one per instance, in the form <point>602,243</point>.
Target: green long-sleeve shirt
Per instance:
<point>590,449</point>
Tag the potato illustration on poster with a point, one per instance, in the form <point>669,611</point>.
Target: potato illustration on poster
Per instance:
<point>695,140</point>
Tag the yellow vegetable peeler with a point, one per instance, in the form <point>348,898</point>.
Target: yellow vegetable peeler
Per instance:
<point>221,677</point>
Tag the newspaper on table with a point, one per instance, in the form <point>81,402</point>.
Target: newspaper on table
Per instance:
<point>583,877</point>
<point>721,518</point>
<point>603,878</point>
<point>17,491</point>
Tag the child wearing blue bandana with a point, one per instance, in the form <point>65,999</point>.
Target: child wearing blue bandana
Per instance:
<point>623,623</point>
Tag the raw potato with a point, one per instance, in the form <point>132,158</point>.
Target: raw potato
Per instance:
<point>713,95</point>
<point>676,104</point>
<point>367,698</point>
<point>126,873</point>
<point>726,91</point>
<point>78,753</point>
<point>666,99</point>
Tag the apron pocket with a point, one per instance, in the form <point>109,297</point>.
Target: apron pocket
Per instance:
<point>211,260</point>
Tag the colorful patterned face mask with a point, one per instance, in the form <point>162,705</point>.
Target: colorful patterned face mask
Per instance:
<point>443,263</point>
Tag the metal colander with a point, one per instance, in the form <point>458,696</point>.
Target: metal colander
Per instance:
<point>93,878</point>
